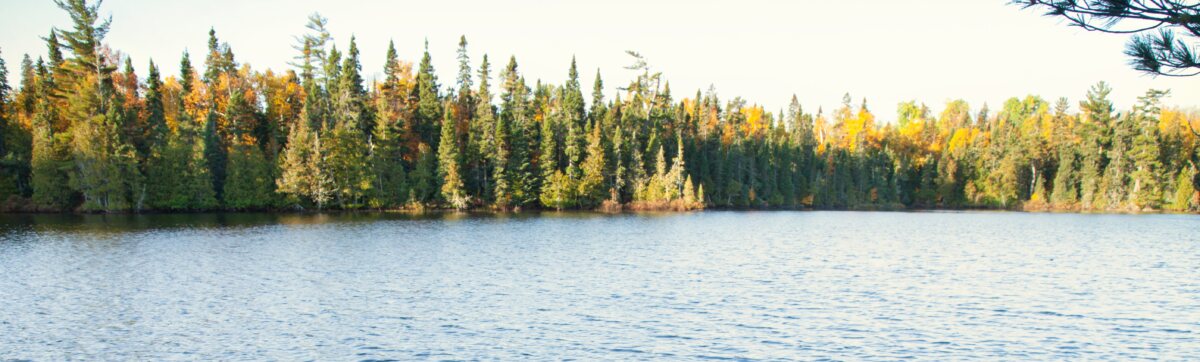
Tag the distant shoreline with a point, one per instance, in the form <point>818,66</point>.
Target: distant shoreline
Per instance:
<point>625,210</point>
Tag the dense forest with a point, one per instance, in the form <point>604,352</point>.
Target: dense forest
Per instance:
<point>83,131</point>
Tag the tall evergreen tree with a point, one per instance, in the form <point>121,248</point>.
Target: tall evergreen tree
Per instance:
<point>429,102</point>
<point>1145,152</point>
<point>449,166</point>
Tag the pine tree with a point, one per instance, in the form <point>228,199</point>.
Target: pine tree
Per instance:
<point>1097,117</point>
<point>1114,184</point>
<point>591,185</point>
<point>346,151</point>
<point>575,119</point>
<point>548,157</point>
<point>464,73</point>
<point>350,105</point>
<point>390,184</point>
<point>176,171</point>
<point>449,166</point>
<point>1065,192</point>
<point>502,194</point>
<point>248,183</point>
<point>178,174</point>
<point>301,176</point>
<point>345,162</point>
<point>1146,188</point>
<point>482,135</point>
<point>105,172</point>
<point>1185,191</point>
<point>15,142</point>
<point>598,110</point>
<point>429,102</point>
<point>81,135</point>
<point>156,121</point>
<point>558,191</point>
<point>423,179</point>
<point>519,174</point>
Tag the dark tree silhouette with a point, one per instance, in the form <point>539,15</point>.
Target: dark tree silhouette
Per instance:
<point>1156,47</point>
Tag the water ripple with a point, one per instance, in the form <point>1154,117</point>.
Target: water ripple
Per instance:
<point>738,286</point>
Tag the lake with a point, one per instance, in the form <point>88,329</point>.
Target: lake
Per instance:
<point>704,285</point>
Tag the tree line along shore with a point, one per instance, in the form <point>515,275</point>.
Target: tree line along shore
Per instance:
<point>83,131</point>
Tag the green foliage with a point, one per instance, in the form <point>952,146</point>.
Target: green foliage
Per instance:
<point>423,180</point>
<point>449,166</point>
<point>558,191</point>
<point>389,188</point>
<point>1154,47</point>
<point>248,184</point>
<point>79,136</point>
<point>346,161</point>
<point>301,176</point>
<point>429,101</point>
<point>177,173</point>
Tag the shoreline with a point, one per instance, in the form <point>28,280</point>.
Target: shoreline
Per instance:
<point>623,210</point>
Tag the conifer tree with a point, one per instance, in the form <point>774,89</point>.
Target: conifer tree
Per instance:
<point>423,180</point>
<point>248,185</point>
<point>105,172</point>
<point>522,188</point>
<point>156,121</point>
<point>429,104</point>
<point>449,166</point>
<point>482,135</point>
<point>178,172</point>
<point>50,155</point>
<point>1097,118</point>
<point>301,176</point>
<point>575,119</point>
<point>1145,152</point>
<point>591,185</point>
<point>390,185</point>
<point>79,135</point>
<point>346,164</point>
<point>386,149</point>
<point>15,142</point>
<point>502,192</point>
<point>1065,191</point>
<point>346,151</point>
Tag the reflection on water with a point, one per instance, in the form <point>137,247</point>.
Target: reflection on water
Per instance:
<point>739,285</point>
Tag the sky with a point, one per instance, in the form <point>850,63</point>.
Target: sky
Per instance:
<point>931,51</point>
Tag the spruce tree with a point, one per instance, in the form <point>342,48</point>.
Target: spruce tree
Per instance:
<point>346,152</point>
<point>386,144</point>
<point>1065,192</point>
<point>156,121</point>
<point>449,166</point>
<point>502,192</point>
<point>575,118</point>
<point>482,135</point>
<point>389,187</point>
<point>423,180</point>
<point>429,104</point>
<point>591,185</point>
<point>301,177</point>
<point>248,182</point>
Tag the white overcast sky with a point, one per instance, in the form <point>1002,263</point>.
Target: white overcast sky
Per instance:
<point>765,51</point>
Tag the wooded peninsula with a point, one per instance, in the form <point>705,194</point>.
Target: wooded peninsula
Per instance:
<point>85,132</point>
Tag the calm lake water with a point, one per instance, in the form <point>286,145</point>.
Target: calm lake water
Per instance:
<point>708,285</point>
